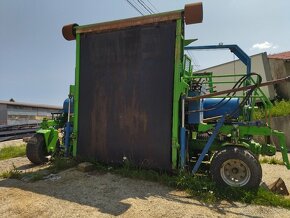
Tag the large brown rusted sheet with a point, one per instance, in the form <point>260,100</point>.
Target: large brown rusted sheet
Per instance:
<point>126,92</point>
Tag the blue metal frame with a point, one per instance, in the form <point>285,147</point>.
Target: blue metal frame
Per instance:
<point>208,144</point>
<point>233,48</point>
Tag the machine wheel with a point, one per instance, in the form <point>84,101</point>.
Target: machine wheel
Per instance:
<point>236,167</point>
<point>35,150</point>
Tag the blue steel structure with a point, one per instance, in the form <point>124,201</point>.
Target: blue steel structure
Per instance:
<point>224,110</point>
<point>233,48</point>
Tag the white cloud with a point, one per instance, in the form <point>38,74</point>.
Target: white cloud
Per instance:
<point>263,45</point>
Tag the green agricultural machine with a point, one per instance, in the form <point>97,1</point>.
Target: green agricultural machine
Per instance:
<point>137,98</point>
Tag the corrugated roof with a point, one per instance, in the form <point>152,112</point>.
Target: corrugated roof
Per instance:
<point>282,56</point>
<point>31,105</point>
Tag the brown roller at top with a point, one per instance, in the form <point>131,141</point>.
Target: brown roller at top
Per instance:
<point>69,32</point>
<point>193,13</point>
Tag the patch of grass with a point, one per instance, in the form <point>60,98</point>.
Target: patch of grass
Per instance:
<point>11,174</point>
<point>12,151</point>
<point>25,176</point>
<point>280,108</point>
<point>206,190</point>
<point>267,198</point>
<point>60,163</point>
<point>271,160</point>
<point>56,165</point>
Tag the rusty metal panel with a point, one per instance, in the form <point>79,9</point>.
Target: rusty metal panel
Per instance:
<point>126,92</point>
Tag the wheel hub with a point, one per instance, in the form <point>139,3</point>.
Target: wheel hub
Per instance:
<point>235,172</point>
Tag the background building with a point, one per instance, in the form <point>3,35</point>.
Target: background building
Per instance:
<point>260,65</point>
<point>280,68</point>
<point>22,113</point>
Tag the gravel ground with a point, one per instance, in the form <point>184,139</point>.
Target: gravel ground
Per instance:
<point>75,194</point>
<point>272,172</point>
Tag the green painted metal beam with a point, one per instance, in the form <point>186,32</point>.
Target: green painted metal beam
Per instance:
<point>177,92</point>
<point>76,96</point>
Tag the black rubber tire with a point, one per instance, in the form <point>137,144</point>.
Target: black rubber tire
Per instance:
<point>35,150</point>
<point>246,158</point>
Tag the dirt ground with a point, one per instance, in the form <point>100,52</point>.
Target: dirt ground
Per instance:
<point>75,194</point>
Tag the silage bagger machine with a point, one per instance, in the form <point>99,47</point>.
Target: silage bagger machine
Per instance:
<point>137,98</point>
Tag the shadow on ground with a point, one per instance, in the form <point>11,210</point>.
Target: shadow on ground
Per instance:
<point>111,194</point>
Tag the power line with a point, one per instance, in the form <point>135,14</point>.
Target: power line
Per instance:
<point>194,61</point>
<point>153,6</point>
<point>146,7</point>
<point>132,5</point>
<point>140,7</point>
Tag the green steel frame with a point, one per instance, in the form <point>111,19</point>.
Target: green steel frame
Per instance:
<point>239,134</point>
<point>179,88</point>
<point>76,96</point>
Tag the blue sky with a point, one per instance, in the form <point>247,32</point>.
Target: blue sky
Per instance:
<point>37,63</point>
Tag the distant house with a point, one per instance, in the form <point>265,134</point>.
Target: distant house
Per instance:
<point>280,68</point>
<point>12,112</point>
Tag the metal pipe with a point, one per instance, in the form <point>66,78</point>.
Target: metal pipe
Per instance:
<point>286,79</point>
<point>67,129</point>
<point>68,114</point>
<point>182,134</point>
<point>182,111</point>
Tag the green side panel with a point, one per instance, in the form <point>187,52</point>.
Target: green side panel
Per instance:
<point>189,41</point>
<point>179,87</point>
<point>50,138</point>
<point>45,133</point>
<point>76,96</point>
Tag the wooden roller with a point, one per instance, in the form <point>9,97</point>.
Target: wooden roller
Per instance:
<point>193,13</point>
<point>69,31</point>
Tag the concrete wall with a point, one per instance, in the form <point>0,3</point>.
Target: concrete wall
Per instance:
<point>280,69</point>
<point>260,65</point>
<point>282,124</point>
<point>26,115</point>
<point>11,114</point>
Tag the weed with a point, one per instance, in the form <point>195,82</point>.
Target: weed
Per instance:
<point>271,160</point>
<point>56,165</point>
<point>12,151</point>
<point>11,174</point>
<point>280,108</point>
<point>60,163</point>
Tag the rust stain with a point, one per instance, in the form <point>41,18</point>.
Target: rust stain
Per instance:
<point>99,118</point>
<point>132,118</point>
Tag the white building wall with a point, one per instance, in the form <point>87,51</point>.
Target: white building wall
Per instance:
<point>260,65</point>
<point>27,115</point>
